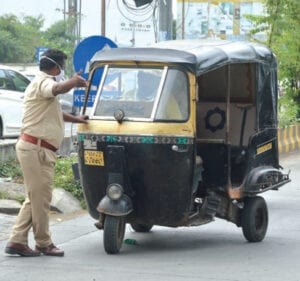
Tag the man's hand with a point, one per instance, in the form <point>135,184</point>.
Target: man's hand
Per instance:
<point>82,119</point>
<point>75,119</point>
<point>65,86</point>
<point>79,81</point>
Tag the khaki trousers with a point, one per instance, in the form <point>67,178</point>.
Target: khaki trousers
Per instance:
<point>38,171</point>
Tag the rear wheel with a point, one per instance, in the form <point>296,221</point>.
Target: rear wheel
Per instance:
<point>254,219</point>
<point>114,230</point>
<point>141,227</point>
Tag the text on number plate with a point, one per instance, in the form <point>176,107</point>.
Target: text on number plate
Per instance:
<point>94,158</point>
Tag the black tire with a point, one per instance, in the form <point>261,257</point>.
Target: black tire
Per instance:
<point>254,219</point>
<point>141,227</point>
<point>114,230</point>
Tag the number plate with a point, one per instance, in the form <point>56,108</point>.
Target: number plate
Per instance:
<point>264,148</point>
<point>93,158</point>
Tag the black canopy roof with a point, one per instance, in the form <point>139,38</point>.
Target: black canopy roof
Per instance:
<point>199,56</point>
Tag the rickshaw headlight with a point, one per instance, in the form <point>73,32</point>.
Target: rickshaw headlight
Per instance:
<point>114,191</point>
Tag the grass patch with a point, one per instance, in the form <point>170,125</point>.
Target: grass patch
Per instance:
<point>11,169</point>
<point>4,195</point>
<point>63,178</point>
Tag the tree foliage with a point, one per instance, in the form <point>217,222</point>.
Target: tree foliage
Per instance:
<point>282,25</point>
<point>60,36</point>
<point>10,30</point>
<point>19,38</point>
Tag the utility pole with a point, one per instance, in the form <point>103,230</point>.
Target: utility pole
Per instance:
<point>165,20</point>
<point>182,19</point>
<point>237,18</point>
<point>74,14</point>
<point>103,17</point>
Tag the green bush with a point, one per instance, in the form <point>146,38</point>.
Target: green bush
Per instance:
<point>63,178</point>
<point>288,109</point>
<point>11,169</point>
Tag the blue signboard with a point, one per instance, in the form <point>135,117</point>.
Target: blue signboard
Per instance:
<point>84,51</point>
<point>39,52</point>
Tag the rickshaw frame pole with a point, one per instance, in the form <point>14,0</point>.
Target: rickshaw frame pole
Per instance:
<point>227,127</point>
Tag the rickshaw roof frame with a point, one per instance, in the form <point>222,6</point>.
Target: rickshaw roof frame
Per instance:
<point>198,56</point>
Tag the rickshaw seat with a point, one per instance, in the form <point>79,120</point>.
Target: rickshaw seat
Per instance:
<point>236,117</point>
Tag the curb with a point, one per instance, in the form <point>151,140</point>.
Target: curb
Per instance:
<point>289,139</point>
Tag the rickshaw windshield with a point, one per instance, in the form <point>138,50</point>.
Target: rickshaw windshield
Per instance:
<point>143,93</point>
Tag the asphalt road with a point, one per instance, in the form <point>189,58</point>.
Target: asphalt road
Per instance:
<point>212,252</point>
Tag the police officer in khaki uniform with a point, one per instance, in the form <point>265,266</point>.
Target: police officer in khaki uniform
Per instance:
<point>42,132</point>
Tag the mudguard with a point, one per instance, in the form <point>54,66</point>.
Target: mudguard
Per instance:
<point>121,207</point>
<point>264,178</point>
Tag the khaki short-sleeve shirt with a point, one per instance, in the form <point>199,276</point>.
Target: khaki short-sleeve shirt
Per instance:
<point>42,115</point>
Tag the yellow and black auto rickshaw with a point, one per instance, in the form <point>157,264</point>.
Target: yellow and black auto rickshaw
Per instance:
<point>180,133</point>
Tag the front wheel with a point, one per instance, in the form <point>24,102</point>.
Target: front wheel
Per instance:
<point>254,219</point>
<point>114,230</point>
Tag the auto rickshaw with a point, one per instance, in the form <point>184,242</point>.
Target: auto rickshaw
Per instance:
<point>180,133</point>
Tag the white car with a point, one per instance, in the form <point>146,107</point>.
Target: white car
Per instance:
<point>12,87</point>
<point>10,115</point>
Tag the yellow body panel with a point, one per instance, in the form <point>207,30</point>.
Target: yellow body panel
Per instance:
<point>134,128</point>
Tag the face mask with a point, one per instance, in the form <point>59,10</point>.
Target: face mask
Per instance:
<point>60,76</point>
